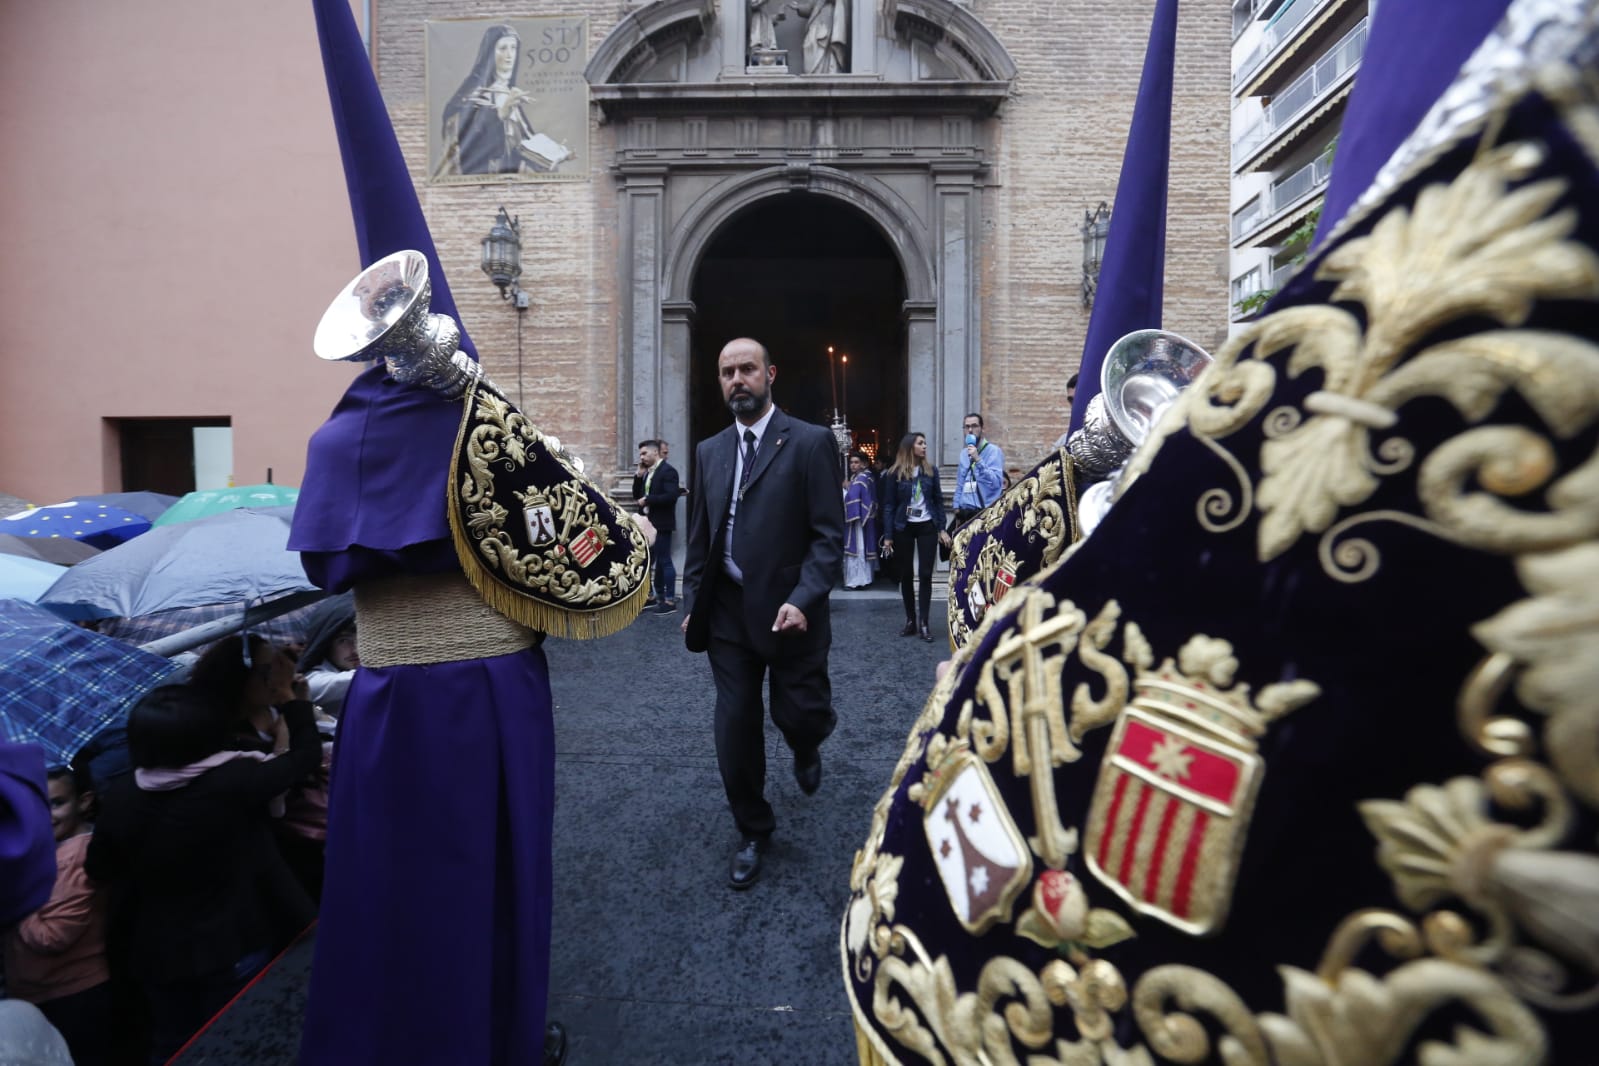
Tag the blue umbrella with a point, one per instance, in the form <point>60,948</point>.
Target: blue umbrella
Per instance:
<point>149,504</point>
<point>27,579</point>
<point>62,685</point>
<point>234,557</point>
<point>97,524</point>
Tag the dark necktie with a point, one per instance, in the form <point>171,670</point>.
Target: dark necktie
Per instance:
<point>749,460</point>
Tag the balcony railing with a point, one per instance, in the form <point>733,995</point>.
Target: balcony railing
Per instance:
<point>1306,90</point>
<point>1280,28</point>
<point>1250,215</point>
<point>1281,195</point>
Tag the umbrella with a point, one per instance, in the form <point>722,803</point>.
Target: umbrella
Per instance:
<point>26,579</point>
<point>59,550</point>
<point>215,501</point>
<point>62,684</point>
<point>93,523</point>
<point>151,505</point>
<point>287,628</point>
<point>234,557</point>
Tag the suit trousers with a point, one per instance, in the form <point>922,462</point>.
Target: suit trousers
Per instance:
<point>802,705</point>
<point>663,574</point>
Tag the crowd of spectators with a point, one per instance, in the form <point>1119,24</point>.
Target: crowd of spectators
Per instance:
<point>178,880</point>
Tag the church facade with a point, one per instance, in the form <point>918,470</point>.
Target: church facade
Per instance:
<point>900,181</point>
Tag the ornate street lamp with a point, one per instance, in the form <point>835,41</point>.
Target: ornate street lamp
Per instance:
<point>502,262</point>
<point>502,258</point>
<point>1096,227</point>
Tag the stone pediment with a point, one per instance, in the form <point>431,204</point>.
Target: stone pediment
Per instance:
<point>702,53</point>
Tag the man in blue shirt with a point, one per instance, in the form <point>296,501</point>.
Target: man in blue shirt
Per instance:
<point>980,477</point>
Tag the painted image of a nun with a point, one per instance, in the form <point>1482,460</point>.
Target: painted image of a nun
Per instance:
<point>485,129</point>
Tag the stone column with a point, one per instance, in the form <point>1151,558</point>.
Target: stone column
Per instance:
<point>921,367</point>
<point>959,358</point>
<point>638,362</point>
<point>671,417</point>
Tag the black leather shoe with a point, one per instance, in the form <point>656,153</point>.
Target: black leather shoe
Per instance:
<point>808,772</point>
<point>909,630</point>
<point>554,1044</point>
<point>925,635</point>
<point>745,868</point>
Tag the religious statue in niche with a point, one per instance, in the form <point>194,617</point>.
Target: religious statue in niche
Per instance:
<point>826,48</point>
<point>763,26</point>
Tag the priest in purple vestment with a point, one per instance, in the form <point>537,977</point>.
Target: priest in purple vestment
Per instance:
<point>860,523</point>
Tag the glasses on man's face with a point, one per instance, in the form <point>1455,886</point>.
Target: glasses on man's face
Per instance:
<point>972,426</point>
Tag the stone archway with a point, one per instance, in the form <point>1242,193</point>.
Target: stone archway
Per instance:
<point>804,274</point>
<point>904,137</point>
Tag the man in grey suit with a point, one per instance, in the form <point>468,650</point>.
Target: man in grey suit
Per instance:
<point>765,548</point>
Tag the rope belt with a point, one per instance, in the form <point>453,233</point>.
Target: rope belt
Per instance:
<point>412,620</point>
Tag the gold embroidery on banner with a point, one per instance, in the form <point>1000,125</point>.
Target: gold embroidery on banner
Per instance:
<point>565,525</point>
<point>1503,906</point>
<point>1475,246</point>
<point>1047,505</point>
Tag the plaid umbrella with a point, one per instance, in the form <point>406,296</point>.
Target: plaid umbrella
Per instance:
<point>208,502</point>
<point>64,684</point>
<point>284,629</point>
<point>96,524</point>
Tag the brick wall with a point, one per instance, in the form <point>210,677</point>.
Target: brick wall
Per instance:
<point>1057,151</point>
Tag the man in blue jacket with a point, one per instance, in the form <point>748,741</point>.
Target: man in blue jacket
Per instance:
<point>980,476</point>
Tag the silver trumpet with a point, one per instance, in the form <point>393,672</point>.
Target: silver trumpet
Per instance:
<point>1141,376</point>
<point>384,314</point>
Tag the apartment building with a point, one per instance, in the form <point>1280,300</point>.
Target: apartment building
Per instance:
<point>1293,64</point>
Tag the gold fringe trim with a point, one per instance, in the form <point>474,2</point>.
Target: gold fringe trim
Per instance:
<point>866,1050</point>
<point>568,622</point>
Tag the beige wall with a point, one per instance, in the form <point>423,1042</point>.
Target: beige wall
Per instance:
<point>175,221</point>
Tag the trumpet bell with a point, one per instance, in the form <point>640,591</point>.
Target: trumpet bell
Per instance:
<point>1142,375</point>
<point>383,314</point>
<point>385,299</point>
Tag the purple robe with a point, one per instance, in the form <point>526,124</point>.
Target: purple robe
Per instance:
<point>860,530</point>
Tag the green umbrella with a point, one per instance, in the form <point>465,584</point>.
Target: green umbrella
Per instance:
<point>208,502</point>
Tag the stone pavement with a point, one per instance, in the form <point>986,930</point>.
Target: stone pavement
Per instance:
<point>655,959</point>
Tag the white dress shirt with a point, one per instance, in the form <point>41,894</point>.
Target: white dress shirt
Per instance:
<point>759,429</point>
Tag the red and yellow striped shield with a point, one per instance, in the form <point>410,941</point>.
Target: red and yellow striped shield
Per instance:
<point>1166,826</point>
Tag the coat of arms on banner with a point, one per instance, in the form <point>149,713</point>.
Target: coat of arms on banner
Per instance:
<point>1177,786</point>
<point>981,856</point>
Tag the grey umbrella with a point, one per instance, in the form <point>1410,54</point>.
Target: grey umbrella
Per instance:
<point>63,551</point>
<point>234,557</point>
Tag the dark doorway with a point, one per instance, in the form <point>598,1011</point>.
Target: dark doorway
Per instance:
<point>800,272</point>
<point>158,454</point>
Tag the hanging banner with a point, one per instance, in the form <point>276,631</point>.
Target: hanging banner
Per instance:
<point>507,100</point>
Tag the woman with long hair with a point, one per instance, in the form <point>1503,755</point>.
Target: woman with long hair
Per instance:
<point>913,509</point>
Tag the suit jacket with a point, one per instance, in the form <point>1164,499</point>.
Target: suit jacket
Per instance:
<point>660,506</point>
<point>788,537</point>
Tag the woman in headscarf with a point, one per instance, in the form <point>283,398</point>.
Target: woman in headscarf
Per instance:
<point>484,124</point>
